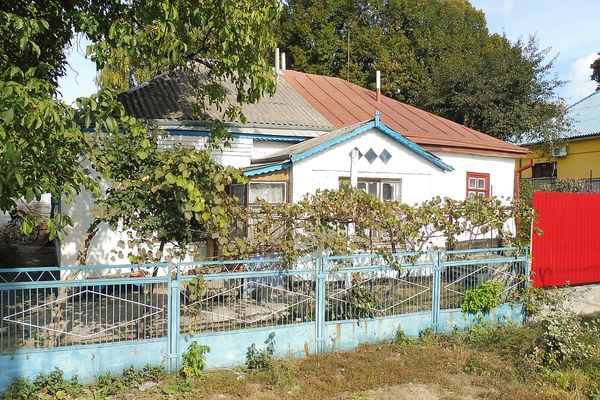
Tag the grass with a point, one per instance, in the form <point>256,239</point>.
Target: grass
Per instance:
<point>482,363</point>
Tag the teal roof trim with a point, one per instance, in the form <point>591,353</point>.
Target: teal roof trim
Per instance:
<point>415,148</point>
<point>265,169</point>
<point>377,124</point>
<point>334,141</point>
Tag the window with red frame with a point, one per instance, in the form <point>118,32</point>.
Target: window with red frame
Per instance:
<point>478,184</point>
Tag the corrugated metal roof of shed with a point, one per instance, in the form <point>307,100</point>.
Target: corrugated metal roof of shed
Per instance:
<point>169,97</point>
<point>344,103</point>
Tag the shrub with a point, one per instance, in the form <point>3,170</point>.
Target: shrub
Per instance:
<point>564,336</point>
<point>261,358</point>
<point>482,298</point>
<point>194,360</point>
<point>54,384</point>
<point>20,389</point>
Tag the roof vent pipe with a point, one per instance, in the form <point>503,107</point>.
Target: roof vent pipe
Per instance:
<point>378,85</point>
<point>277,60</point>
<point>283,61</point>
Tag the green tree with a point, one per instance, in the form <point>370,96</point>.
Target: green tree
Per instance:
<point>43,143</point>
<point>437,55</point>
<point>177,196</point>
<point>596,70</point>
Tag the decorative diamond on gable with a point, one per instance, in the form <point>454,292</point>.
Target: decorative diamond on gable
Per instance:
<point>359,153</point>
<point>371,156</point>
<point>385,156</point>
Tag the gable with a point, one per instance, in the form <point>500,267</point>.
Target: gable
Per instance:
<point>312,147</point>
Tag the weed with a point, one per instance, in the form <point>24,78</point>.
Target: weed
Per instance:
<point>483,298</point>
<point>132,377</point>
<point>194,360</point>
<point>177,386</point>
<point>427,337</point>
<point>261,358</point>
<point>401,338</point>
<point>564,337</point>
<point>20,389</point>
<point>279,373</point>
<point>107,385</point>
<point>54,384</point>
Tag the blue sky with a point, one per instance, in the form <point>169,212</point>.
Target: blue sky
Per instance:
<point>570,28</point>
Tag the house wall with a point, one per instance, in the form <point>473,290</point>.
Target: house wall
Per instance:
<point>42,207</point>
<point>453,184</point>
<point>262,148</point>
<point>106,239</point>
<point>421,180</point>
<point>324,170</point>
<point>583,156</point>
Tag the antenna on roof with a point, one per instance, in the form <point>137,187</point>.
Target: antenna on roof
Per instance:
<point>378,86</point>
<point>277,60</point>
<point>283,61</point>
<point>348,65</point>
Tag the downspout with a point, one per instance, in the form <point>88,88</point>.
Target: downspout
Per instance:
<point>517,188</point>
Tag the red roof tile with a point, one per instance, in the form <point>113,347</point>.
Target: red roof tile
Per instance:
<point>343,103</point>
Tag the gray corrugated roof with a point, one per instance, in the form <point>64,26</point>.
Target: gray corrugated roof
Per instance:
<point>288,152</point>
<point>585,117</point>
<point>169,97</point>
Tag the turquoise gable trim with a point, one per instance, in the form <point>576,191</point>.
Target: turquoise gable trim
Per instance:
<point>377,124</point>
<point>328,144</point>
<point>268,138</point>
<point>415,148</point>
<point>267,169</point>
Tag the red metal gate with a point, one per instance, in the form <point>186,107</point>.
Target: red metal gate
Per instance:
<point>568,250</point>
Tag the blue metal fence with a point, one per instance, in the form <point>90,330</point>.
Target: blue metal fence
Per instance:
<point>106,318</point>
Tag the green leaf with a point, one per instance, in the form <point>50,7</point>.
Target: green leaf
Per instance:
<point>19,179</point>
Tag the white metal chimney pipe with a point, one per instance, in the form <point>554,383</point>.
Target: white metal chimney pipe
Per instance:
<point>283,61</point>
<point>353,168</point>
<point>378,85</point>
<point>277,60</point>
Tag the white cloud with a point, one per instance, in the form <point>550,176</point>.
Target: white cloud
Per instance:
<point>579,82</point>
<point>506,7</point>
<point>495,7</point>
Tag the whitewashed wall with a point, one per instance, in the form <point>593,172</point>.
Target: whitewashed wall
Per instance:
<point>263,148</point>
<point>421,180</point>
<point>325,169</point>
<point>80,209</point>
<point>42,207</point>
<point>453,184</point>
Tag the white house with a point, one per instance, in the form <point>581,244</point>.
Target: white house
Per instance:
<point>303,138</point>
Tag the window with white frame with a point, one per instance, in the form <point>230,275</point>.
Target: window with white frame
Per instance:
<point>478,184</point>
<point>384,189</point>
<point>272,192</point>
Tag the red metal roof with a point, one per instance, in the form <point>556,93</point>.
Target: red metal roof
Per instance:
<point>344,103</point>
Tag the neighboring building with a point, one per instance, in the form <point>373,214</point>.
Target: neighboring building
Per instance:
<point>580,157</point>
<point>301,139</point>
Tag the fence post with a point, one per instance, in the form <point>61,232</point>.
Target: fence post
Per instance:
<point>320,306</point>
<point>527,267</point>
<point>173,320</point>
<point>437,289</point>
